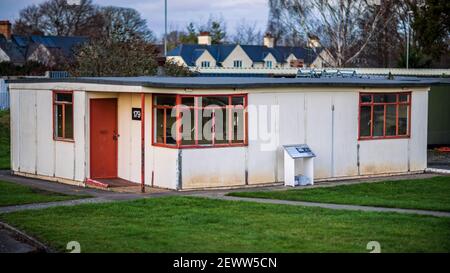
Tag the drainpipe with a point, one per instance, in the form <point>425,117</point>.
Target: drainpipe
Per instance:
<point>142,142</point>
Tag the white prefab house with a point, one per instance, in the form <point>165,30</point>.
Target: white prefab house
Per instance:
<point>204,132</point>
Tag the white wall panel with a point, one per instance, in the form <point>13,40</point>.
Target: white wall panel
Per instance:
<point>64,159</point>
<point>262,155</point>
<point>45,143</point>
<point>319,131</point>
<point>292,125</point>
<point>14,100</point>
<point>345,158</point>
<point>213,167</point>
<point>28,131</point>
<point>419,125</point>
<point>166,167</point>
<point>79,134</point>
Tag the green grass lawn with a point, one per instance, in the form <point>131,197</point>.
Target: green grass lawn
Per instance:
<point>14,194</point>
<point>192,224</point>
<point>4,140</point>
<point>428,194</point>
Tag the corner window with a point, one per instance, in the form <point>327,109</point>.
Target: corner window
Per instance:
<point>384,115</point>
<point>63,115</point>
<point>237,63</point>
<point>199,121</point>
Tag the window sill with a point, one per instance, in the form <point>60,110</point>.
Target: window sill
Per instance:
<point>64,140</point>
<point>381,138</point>
<point>200,146</point>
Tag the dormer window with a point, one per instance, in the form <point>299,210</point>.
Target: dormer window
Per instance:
<point>237,63</point>
<point>268,64</point>
<point>205,64</point>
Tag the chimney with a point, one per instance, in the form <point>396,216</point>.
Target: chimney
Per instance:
<point>269,41</point>
<point>204,38</point>
<point>313,41</point>
<point>5,29</point>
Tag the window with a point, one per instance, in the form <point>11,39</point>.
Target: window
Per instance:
<point>199,121</point>
<point>237,63</point>
<point>63,115</point>
<point>268,64</point>
<point>384,115</point>
<point>205,63</point>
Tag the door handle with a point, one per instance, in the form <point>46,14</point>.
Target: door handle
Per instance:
<point>115,136</point>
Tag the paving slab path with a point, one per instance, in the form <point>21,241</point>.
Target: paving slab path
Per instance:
<point>326,205</point>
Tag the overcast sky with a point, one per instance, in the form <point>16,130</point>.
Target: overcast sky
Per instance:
<point>180,11</point>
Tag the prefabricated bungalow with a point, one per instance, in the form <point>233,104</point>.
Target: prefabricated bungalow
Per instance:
<point>204,132</point>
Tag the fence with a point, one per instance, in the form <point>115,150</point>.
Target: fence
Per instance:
<point>4,95</point>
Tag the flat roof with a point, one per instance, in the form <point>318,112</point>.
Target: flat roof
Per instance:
<point>240,82</point>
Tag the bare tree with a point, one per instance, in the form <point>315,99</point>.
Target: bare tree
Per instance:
<point>58,17</point>
<point>29,21</point>
<point>124,24</point>
<point>342,25</point>
<point>247,34</point>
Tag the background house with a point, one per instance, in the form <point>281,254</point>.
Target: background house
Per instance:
<point>204,55</point>
<point>47,50</point>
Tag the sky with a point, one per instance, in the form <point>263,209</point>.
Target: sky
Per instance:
<point>180,12</point>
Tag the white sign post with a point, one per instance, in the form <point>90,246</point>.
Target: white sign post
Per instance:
<point>292,153</point>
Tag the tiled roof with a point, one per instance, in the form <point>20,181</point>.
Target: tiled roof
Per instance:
<point>64,44</point>
<point>12,50</point>
<point>191,52</point>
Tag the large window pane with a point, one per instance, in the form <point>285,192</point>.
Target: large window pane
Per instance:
<point>238,121</point>
<point>218,101</point>
<point>171,130</point>
<point>59,120</point>
<point>366,98</point>
<point>378,120</point>
<point>68,121</point>
<point>221,126</point>
<point>167,100</point>
<point>159,125</point>
<point>64,97</point>
<point>385,98</point>
<point>187,101</point>
<point>237,101</point>
<point>404,97</point>
<point>205,126</point>
<point>403,119</point>
<point>364,122</point>
<point>391,120</point>
<point>187,126</point>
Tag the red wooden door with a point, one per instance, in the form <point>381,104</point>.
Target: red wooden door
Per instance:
<point>103,137</point>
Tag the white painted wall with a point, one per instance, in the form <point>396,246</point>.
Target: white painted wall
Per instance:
<point>165,166</point>
<point>33,149</point>
<point>129,143</point>
<point>237,54</point>
<point>270,57</point>
<point>206,56</point>
<point>3,56</point>
<point>214,167</point>
<point>304,116</point>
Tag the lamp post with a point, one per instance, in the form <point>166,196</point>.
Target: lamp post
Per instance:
<point>165,28</point>
<point>407,38</point>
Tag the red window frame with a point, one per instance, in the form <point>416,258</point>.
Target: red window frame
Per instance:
<point>63,104</point>
<point>372,103</point>
<point>196,107</point>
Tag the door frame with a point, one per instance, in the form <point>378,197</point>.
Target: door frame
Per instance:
<point>90,137</point>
